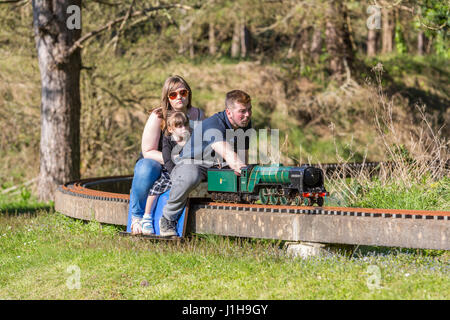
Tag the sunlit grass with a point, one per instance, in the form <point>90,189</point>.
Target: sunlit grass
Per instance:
<point>44,255</point>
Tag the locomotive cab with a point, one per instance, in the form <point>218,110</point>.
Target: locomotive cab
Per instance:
<point>243,179</point>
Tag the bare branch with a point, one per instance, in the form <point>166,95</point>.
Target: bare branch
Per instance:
<point>127,16</point>
<point>111,4</point>
<point>412,11</point>
<point>290,14</point>
<point>109,25</point>
<point>12,1</point>
<point>433,28</point>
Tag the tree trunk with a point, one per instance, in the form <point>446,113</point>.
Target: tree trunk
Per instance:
<point>316,43</point>
<point>212,40</point>
<point>60,101</point>
<point>191,46</point>
<point>429,45</point>
<point>420,37</point>
<point>182,45</point>
<point>235,41</point>
<point>337,38</point>
<point>371,42</point>
<point>245,40</point>
<point>388,30</point>
<point>420,43</point>
<point>304,45</point>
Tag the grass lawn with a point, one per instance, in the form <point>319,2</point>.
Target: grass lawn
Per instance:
<point>45,255</point>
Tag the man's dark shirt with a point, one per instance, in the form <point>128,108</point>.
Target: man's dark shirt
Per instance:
<point>212,130</point>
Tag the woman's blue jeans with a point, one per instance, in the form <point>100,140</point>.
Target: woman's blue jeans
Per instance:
<point>146,172</point>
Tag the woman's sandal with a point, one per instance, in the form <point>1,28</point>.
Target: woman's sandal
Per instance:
<point>136,226</point>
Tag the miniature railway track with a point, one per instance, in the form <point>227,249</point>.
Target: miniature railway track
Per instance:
<point>339,211</point>
<point>80,189</point>
<point>106,200</point>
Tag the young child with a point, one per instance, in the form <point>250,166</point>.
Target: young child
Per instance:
<point>176,134</point>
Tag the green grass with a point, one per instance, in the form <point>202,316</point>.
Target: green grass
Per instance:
<point>425,195</point>
<point>21,201</point>
<point>38,250</point>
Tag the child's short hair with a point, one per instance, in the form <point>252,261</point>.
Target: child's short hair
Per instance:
<point>176,119</point>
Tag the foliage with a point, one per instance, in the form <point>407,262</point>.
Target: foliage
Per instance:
<point>435,20</point>
<point>399,40</point>
<point>291,88</point>
<point>21,201</point>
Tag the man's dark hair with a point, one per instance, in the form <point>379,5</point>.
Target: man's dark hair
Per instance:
<point>236,96</point>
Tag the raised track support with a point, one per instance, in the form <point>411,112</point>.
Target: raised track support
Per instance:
<point>327,225</point>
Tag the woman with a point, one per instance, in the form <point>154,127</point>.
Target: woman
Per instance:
<point>176,96</point>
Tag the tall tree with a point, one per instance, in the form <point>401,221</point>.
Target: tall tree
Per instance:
<point>420,37</point>
<point>235,41</point>
<point>57,31</point>
<point>388,27</point>
<point>337,38</point>
<point>371,42</point>
<point>212,48</point>
<point>245,40</point>
<point>60,100</point>
<point>316,43</point>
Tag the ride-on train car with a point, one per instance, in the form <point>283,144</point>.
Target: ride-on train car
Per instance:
<point>270,184</point>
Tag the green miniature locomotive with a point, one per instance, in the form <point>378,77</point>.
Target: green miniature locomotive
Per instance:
<point>270,184</point>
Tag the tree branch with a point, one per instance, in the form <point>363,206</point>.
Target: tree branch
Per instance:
<point>111,4</point>
<point>109,25</point>
<point>9,1</point>
<point>127,16</point>
<point>12,1</point>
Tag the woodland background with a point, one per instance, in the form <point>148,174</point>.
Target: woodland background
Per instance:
<point>313,68</point>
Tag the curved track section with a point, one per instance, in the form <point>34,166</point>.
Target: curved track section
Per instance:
<point>106,200</point>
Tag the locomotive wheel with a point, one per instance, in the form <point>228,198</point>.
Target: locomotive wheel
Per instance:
<point>308,202</point>
<point>264,196</point>
<point>283,200</point>
<point>273,199</point>
<point>320,201</point>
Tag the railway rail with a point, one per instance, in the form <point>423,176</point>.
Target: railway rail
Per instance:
<point>106,200</point>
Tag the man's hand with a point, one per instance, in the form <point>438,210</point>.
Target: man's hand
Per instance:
<point>225,150</point>
<point>238,172</point>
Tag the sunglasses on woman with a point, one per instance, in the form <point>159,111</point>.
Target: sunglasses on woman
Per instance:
<point>174,94</point>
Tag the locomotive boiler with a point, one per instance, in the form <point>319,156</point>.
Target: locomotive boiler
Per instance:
<point>269,184</point>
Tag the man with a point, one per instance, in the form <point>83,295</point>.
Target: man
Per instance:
<point>208,140</point>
